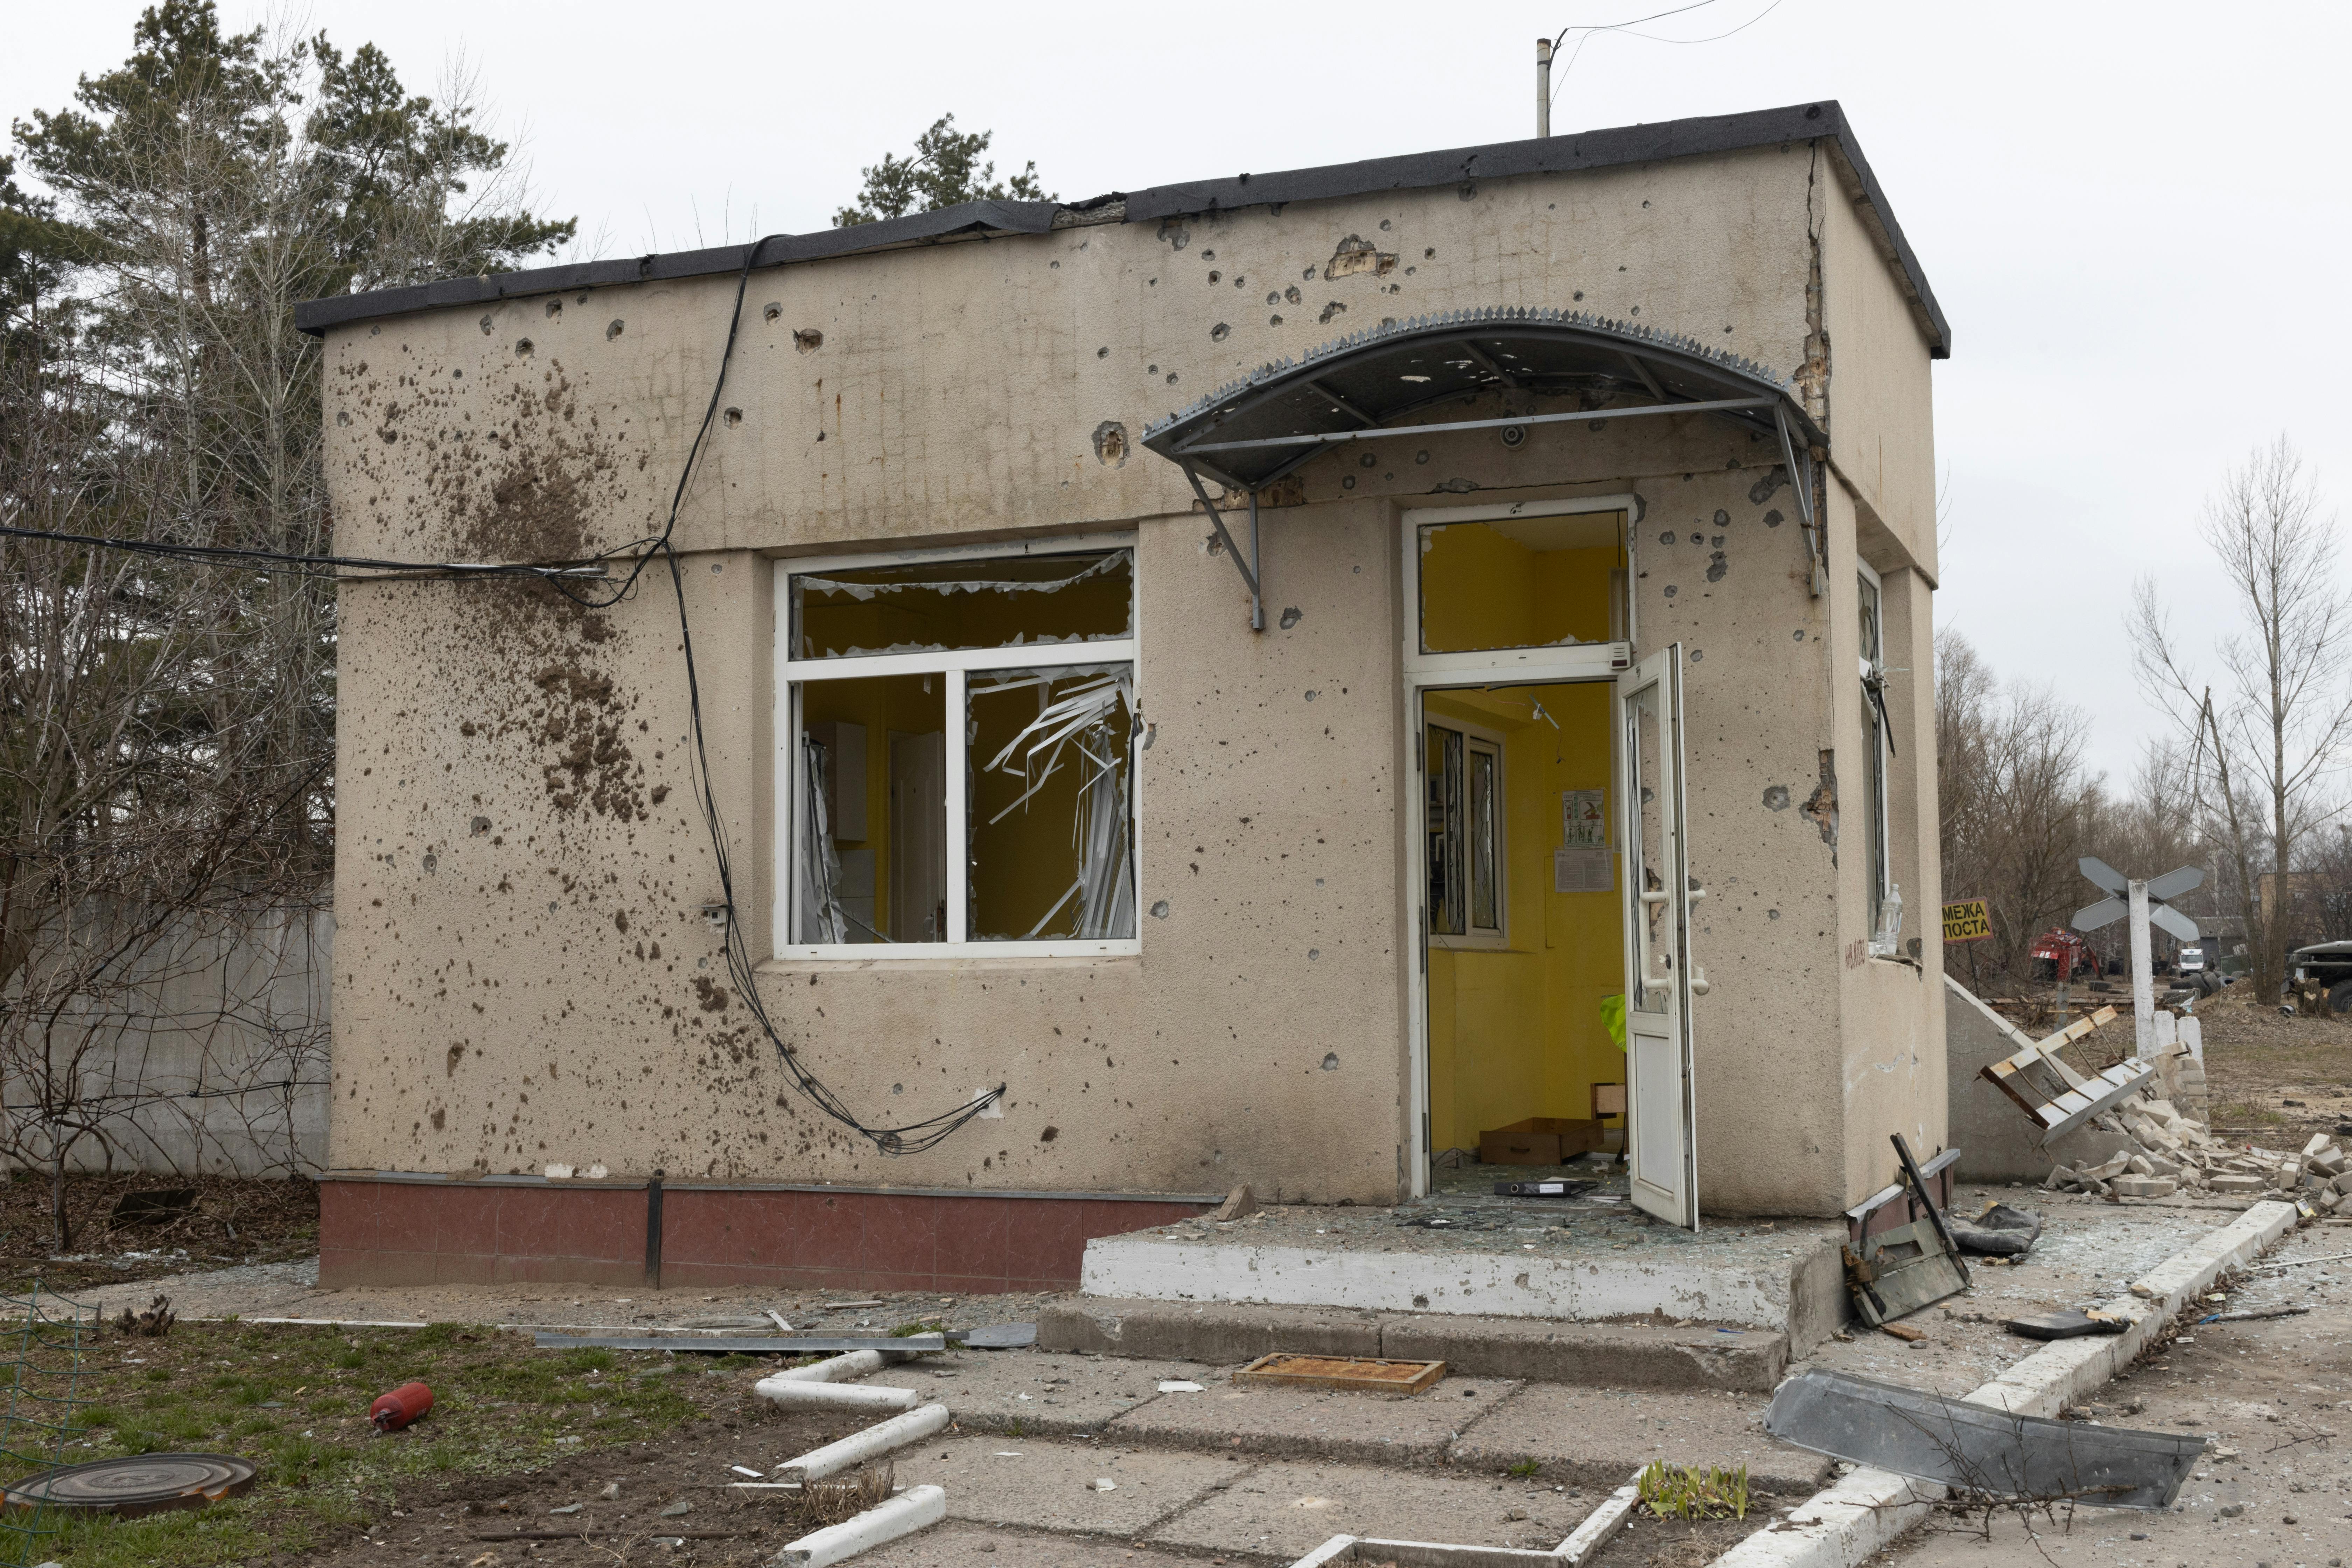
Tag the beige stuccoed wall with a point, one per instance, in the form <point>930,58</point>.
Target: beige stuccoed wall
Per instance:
<point>958,390</point>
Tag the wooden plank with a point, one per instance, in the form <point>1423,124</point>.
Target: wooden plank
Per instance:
<point>1360,1374</point>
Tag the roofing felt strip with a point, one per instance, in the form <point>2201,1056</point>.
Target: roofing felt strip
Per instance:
<point>1603,149</point>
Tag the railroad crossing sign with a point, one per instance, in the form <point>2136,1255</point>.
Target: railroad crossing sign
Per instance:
<point>2159,889</point>
<point>2144,903</point>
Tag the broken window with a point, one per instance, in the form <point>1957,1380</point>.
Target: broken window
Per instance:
<point>1884,898</point>
<point>927,606</point>
<point>946,787</point>
<point>1521,581</point>
<point>1465,831</point>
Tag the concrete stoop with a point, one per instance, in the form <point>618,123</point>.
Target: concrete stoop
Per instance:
<point>1594,1355</point>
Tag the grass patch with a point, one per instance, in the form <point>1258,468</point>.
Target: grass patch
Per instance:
<point>295,1399</point>
<point>2246,1113</point>
<point>1525,1468</point>
<point>1687,1491</point>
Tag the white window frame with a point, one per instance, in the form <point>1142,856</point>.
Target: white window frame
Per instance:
<point>955,667</point>
<point>1872,664</point>
<point>1474,738</point>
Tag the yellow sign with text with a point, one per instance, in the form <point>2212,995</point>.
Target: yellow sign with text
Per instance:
<point>1967,921</point>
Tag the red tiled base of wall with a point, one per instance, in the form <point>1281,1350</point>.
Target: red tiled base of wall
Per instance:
<point>453,1233</point>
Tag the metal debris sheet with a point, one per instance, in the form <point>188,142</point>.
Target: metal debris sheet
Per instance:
<point>1360,1374</point>
<point>1980,1448</point>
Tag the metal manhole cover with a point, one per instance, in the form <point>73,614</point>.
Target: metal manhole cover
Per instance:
<point>148,1483</point>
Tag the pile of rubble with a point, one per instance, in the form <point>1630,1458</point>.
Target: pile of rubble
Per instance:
<point>2175,1153</point>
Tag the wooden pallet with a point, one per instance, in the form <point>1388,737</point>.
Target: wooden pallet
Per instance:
<point>1356,1374</point>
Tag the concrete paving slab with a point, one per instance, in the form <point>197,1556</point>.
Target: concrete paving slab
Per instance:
<point>1048,1486</point>
<point>1599,1437</point>
<point>1610,1355</point>
<point>1378,1428</point>
<point>1222,1333</point>
<point>1044,1391</point>
<point>960,1546</point>
<point>1282,1510</point>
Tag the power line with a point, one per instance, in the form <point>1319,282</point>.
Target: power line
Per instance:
<point>911,1138</point>
<point>1590,29</point>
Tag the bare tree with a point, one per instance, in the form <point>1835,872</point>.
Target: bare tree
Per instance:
<point>166,727</point>
<point>2014,796</point>
<point>2265,750</point>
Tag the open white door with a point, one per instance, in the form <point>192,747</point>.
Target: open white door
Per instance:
<point>1659,979</point>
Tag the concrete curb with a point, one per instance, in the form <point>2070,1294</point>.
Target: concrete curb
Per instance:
<point>1606,1355</point>
<point>791,1394</point>
<point>916,1508</point>
<point>860,1447</point>
<point>1842,1526</point>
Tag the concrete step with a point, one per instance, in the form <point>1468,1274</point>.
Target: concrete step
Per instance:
<point>1595,1356</point>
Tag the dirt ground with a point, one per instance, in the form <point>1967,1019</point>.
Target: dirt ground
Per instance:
<point>2274,1397</point>
<point>2276,1080</point>
<point>231,1221</point>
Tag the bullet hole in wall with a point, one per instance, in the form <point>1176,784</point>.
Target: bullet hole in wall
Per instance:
<point>486,324</point>
<point>1103,352</point>
<point>1160,909</point>
<point>772,311</point>
<point>613,329</point>
<point>1048,1135</point>
<point>1330,1061</point>
<point>808,339</point>
<point>734,416</point>
<point>1217,334</point>
<point>1291,617</point>
<point>522,348</point>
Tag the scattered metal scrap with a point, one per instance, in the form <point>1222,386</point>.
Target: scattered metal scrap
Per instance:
<point>2066,1324</point>
<point>1899,1271</point>
<point>735,1344</point>
<point>1977,1447</point>
<point>1560,1189</point>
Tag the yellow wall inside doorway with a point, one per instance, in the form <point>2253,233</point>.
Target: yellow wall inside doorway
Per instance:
<point>1516,1032</point>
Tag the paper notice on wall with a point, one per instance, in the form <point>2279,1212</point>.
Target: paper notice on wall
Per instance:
<point>1584,818</point>
<point>1583,870</point>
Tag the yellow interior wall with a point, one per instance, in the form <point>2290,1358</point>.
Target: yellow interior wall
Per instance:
<point>1516,1032</point>
<point>1098,607</point>
<point>1481,589</point>
<point>884,705</point>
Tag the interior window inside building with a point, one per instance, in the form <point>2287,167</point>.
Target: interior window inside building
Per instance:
<point>1524,582</point>
<point>949,786</point>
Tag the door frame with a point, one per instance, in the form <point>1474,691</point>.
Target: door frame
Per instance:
<point>1424,672</point>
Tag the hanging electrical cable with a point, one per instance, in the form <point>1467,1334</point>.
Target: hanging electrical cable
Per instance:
<point>572,579</point>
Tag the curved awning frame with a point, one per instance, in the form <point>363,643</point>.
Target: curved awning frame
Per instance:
<point>1256,430</point>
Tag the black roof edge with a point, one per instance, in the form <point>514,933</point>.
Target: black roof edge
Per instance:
<point>1610,148</point>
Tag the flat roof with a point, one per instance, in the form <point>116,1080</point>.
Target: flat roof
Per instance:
<point>1612,148</point>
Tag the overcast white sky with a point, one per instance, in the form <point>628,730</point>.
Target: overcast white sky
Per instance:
<point>2135,217</point>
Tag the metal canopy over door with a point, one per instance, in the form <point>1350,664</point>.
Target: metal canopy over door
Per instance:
<point>1659,980</point>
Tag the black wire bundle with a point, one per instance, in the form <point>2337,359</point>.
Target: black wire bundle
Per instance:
<point>912,1138</point>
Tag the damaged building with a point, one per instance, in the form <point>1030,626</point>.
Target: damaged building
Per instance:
<point>1271,679</point>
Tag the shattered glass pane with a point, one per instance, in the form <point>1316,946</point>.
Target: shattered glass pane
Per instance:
<point>1645,742</point>
<point>1534,582</point>
<point>871,825</point>
<point>1051,760</point>
<point>1484,867</point>
<point>1002,601</point>
<point>1444,820</point>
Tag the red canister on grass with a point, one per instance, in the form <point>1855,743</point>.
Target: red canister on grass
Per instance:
<point>404,1404</point>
